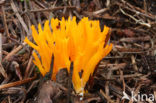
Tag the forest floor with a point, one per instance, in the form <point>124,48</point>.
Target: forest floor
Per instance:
<point>130,68</point>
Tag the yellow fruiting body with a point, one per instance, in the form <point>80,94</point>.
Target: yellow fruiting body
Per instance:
<point>81,43</point>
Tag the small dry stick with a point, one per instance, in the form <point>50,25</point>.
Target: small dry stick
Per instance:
<point>28,67</point>
<point>0,47</point>
<point>107,97</point>
<point>141,22</point>
<point>134,63</point>
<point>100,11</point>
<point>2,71</point>
<point>17,69</point>
<point>2,2</point>
<point>14,51</point>
<point>4,21</point>
<point>53,9</point>
<point>17,83</point>
<point>155,94</point>
<point>19,17</point>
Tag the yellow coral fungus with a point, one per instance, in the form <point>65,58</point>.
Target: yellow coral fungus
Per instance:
<point>82,43</point>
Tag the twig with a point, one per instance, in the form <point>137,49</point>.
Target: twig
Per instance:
<point>138,11</point>
<point>17,69</point>
<point>76,3</point>
<point>35,82</point>
<point>4,21</point>
<point>107,82</point>
<point>89,100</point>
<point>28,67</point>
<point>108,3</point>
<point>141,22</point>
<point>2,71</point>
<point>107,97</point>
<point>119,66</point>
<point>128,76</point>
<point>14,51</point>
<point>2,2</point>
<point>52,9</point>
<point>0,47</point>
<point>134,63</point>
<point>19,17</point>
<point>135,39</point>
<point>17,83</point>
<point>100,11</point>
